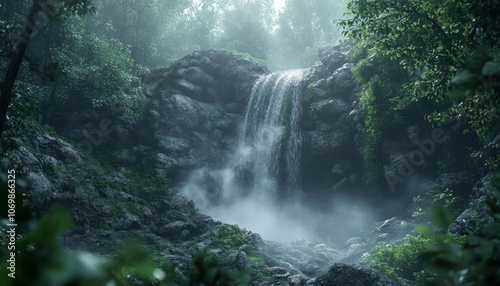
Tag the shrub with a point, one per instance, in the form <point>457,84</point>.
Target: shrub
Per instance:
<point>478,262</point>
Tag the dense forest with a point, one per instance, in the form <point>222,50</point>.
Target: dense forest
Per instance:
<point>251,142</point>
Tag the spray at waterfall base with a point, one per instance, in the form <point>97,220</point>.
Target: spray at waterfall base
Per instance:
<point>258,187</point>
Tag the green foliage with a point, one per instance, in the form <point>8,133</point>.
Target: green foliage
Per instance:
<point>402,260</point>
<point>249,18</point>
<point>475,93</point>
<point>476,264</point>
<point>429,39</point>
<point>41,260</point>
<point>69,66</point>
<point>245,55</point>
<point>26,98</point>
<point>96,72</point>
<point>436,197</point>
<point>153,188</point>
<point>230,237</point>
<point>141,26</point>
<point>206,271</point>
<point>429,42</point>
<point>399,260</point>
<point>434,258</point>
<point>381,79</point>
<point>303,26</point>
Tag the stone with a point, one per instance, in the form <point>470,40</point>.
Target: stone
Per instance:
<point>172,144</point>
<point>29,160</point>
<point>327,140</point>
<point>353,275</point>
<point>477,213</point>
<point>341,81</point>
<point>295,280</point>
<point>174,228</point>
<point>40,188</point>
<point>189,88</point>
<point>329,110</point>
<point>241,260</point>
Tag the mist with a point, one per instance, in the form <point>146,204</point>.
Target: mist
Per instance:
<point>258,186</point>
<point>280,220</point>
<point>285,34</point>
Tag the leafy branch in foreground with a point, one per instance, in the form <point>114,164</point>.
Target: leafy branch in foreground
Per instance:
<point>41,259</point>
<point>478,262</point>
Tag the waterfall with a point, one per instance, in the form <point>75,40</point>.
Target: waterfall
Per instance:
<point>270,136</point>
<point>258,186</point>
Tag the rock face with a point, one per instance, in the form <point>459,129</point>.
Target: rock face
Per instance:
<point>477,213</point>
<point>309,259</point>
<point>349,275</point>
<point>103,201</point>
<point>330,160</point>
<point>197,104</point>
<point>195,107</point>
<point>391,230</point>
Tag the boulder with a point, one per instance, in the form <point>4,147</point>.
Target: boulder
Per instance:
<point>391,230</point>
<point>341,81</point>
<point>477,213</point>
<point>353,275</point>
<point>329,110</point>
<point>40,189</point>
<point>308,259</point>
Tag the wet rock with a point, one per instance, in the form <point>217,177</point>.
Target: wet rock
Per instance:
<point>295,280</point>
<point>172,144</point>
<point>172,228</point>
<point>328,139</point>
<point>191,117</point>
<point>189,88</point>
<point>477,213</point>
<point>390,230</point>
<point>307,258</point>
<point>40,188</point>
<point>29,160</point>
<point>182,110</point>
<point>126,157</point>
<point>239,76</point>
<point>329,110</point>
<point>241,260</point>
<point>49,163</point>
<point>196,75</point>
<point>127,221</point>
<point>341,81</point>
<point>352,275</point>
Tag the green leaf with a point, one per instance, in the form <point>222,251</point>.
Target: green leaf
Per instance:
<point>465,78</point>
<point>490,68</point>
<point>51,226</point>
<point>424,230</point>
<point>441,217</point>
<point>492,230</point>
<point>457,94</point>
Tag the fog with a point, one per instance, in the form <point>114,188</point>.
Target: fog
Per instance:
<point>280,220</point>
<point>284,33</point>
<point>250,189</point>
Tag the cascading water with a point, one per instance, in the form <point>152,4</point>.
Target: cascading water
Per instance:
<point>263,171</point>
<point>270,135</point>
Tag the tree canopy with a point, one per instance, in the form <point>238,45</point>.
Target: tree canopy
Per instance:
<point>440,58</point>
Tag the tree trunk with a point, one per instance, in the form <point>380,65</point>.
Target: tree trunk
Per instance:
<point>16,60</point>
